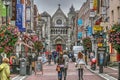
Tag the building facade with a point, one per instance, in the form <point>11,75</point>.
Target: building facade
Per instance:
<point>57,29</point>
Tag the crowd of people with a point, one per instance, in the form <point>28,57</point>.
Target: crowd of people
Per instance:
<point>61,59</point>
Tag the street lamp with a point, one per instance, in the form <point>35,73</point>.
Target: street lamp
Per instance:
<point>6,3</point>
<point>86,30</point>
<point>86,51</point>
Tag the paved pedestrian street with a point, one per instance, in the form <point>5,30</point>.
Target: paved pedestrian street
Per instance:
<point>51,74</point>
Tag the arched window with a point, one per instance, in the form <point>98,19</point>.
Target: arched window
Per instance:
<point>59,22</point>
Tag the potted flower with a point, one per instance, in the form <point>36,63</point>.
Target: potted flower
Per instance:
<point>38,45</point>
<point>87,44</point>
<point>114,39</point>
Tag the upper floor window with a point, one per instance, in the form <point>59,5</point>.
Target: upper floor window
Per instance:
<point>112,15</point>
<point>59,22</point>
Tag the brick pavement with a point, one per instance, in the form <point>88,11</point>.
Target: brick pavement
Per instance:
<point>108,72</point>
<point>51,74</point>
<point>111,72</point>
<point>13,75</point>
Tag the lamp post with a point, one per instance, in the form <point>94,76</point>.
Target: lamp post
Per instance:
<point>86,31</point>
<point>86,49</point>
<point>6,3</point>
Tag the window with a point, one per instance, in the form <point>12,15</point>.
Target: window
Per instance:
<point>112,15</point>
<point>118,12</point>
<point>59,21</point>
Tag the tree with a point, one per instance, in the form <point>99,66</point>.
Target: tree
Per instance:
<point>38,46</point>
<point>87,44</point>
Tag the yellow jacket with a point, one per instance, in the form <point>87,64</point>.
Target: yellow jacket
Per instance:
<point>4,71</point>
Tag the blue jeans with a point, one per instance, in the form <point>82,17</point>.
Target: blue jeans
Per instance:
<point>60,74</point>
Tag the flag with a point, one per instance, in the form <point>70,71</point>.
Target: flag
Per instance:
<point>2,9</point>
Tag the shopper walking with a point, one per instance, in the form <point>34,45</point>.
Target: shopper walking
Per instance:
<point>66,58</point>
<point>80,64</point>
<point>5,70</point>
<point>60,66</point>
<point>49,58</point>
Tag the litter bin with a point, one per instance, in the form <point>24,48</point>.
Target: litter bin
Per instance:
<point>29,70</point>
<point>23,67</point>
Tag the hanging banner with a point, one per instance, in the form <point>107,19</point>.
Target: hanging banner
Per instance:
<point>89,32</point>
<point>80,22</point>
<point>19,19</point>
<point>95,4</point>
<point>79,35</point>
<point>2,9</point>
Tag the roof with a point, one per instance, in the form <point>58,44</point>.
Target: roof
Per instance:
<point>59,11</point>
<point>45,14</point>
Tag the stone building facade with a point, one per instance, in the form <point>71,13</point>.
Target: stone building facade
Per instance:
<point>58,29</point>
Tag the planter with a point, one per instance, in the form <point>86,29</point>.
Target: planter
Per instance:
<point>118,57</point>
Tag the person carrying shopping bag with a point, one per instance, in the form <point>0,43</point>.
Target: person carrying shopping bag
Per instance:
<point>60,66</point>
<point>5,69</point>
<point>80,65</point>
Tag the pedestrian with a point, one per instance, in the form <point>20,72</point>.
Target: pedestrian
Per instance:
<point>80,64</point>
<point>54,56</point>
<point>66,58</point>
<point>5,70</point>
<point>60,64</point>
<point>49,58</point>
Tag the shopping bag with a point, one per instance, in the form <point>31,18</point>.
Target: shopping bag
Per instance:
<point>58,68</point>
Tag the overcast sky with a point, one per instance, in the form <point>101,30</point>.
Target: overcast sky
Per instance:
<point>52,5</point>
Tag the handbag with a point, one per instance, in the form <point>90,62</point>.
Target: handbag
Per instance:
<point>58,68</point>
